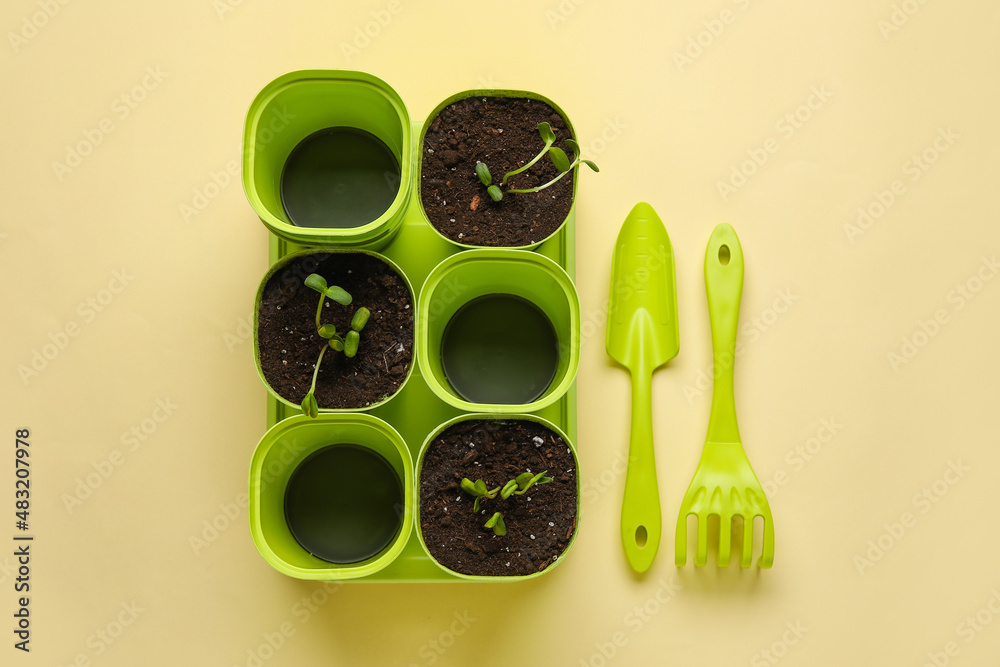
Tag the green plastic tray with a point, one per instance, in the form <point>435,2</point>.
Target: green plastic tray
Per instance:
<point>415,411</point>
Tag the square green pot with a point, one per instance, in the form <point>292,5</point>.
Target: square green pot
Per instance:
<point>493,417</point>
<point>295,106</point>
<point>488,92</point>
<point>468,275</point>
<point>279,452</point>
<point>280,266</point>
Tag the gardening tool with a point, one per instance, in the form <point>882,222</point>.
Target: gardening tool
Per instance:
<point>724,483</point>
<point>642,335</point>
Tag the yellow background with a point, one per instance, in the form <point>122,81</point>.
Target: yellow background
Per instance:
<point>895,75</point>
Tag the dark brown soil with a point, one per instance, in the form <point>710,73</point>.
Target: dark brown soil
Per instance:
<point>540,523</point>
<point>290,345</point>
<point>502,133</point>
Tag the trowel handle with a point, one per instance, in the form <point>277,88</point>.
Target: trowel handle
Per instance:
<point>641,504</point>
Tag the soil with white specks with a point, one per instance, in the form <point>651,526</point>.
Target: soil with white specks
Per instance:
<point>540,523</point>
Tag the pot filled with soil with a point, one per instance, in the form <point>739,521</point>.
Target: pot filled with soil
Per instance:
<point>498,331</point>
<point>331,497</point>
<point>327,158</point>
<point>497,168</point>
<point>334,330</point>
<point>497,498</point>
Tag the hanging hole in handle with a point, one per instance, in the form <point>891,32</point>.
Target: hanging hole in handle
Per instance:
<point>724,254</point>
<point>640,536</point>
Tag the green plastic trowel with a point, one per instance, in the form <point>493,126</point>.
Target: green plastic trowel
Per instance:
<point>642,335</point>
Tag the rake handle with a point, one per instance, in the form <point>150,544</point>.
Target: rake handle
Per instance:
<point>724,285</point>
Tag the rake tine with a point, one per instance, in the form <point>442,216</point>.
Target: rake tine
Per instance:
<point>725,539</point>
<point>680,542</point>
<point>767,557</point>
<point>702,557</point>
<point>746,559</point>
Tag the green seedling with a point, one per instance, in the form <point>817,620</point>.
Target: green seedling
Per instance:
<point>478,490</point>
<point>556,155</point>
<point>522,483</point>
<point>517,486</point>
<point>347,344</point>
<point>496,523</point>
<point>570,166</point>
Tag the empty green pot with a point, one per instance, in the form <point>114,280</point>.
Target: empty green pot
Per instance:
<point>281,450</point>
<point>297,105</point>
<point>467,276</point>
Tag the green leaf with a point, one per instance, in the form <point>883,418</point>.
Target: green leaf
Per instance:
<point>590,164</point>
<point>559,159</point>
<point>495,193</point>
<point>483,172</point>
<point>337,343</point>
<point>508,488</point>
<point>360,318</point>
<point>573,146</point>
<point>338,294</point>
<point>475,505</point>
<point>480,487</point>
<point>309,405</point>
<point>496,523</point>
<point>546,480</point>
<point>316,282</point>
<point>526,480</point>
<point>537,478</point>
<point>351,341</point>
<point>327,331</point>
<point>548,136</point>
<point>468,486</point>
